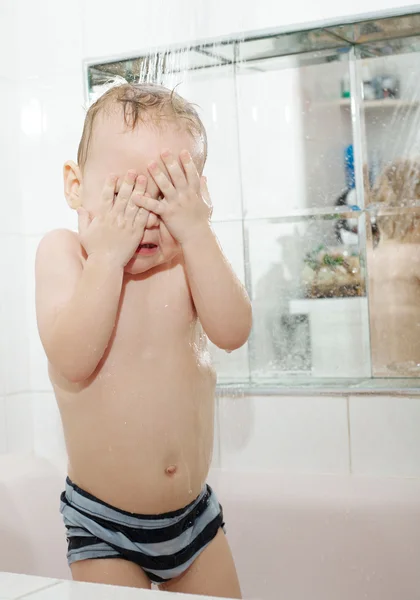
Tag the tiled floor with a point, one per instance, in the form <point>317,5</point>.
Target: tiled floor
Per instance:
<point>17,587</point>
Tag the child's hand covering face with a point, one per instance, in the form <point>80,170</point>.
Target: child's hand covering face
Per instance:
<point>116,233</point>
<point>185,207</point>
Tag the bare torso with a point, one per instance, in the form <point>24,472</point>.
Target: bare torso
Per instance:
<point>139,433</point>
<point>394,276</point>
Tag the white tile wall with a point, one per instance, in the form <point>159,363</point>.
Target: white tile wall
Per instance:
<point>38,368</point>
<point>8,40</point>
<point>289,434</point>
<point>201,19</point>
<point>51,123</point>
<point>3,430</point>
<point>19,423</point>
<point>385,436</point>
<point>219,115</point>
<point>271,142</point>
<point>49,38</point>
<point>153,24</point>
<point>327,129</point>
<point>14,343</point>
<point>50,94</point>
<point>9,155</point>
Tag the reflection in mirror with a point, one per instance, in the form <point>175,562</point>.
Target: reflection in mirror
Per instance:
<point>310,308</point>
<point>394,274</point>
<point>378,29</point>
<point>389,72</point>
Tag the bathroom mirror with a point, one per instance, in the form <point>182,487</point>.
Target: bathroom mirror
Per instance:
<point>303,128</point>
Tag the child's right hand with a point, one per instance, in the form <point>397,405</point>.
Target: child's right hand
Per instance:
<point>116,233</point>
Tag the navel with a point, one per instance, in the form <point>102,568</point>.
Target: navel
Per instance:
<point>171,470</point>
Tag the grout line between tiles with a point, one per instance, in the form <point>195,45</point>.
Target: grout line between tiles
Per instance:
<point>48,587</point>
<point>27,393</point>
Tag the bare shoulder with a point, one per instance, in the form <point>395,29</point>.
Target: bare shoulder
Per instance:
<point>59,240</point>
<point>59,260</point>
<point>56,246</point>
<point>58,267</point>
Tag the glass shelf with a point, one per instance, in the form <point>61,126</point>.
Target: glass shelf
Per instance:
<point>372,35</point>
<point>387,104</point>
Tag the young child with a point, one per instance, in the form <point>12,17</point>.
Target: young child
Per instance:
<point>394,272</point>
<point>124,311</point>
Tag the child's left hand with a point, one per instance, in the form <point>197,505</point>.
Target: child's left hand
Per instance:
<point>185,207</point>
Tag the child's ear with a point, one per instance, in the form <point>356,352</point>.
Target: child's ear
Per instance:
<point>72,184</point>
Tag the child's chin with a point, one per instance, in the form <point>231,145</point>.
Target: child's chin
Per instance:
<point>141,264</point>
<point>138,269</point>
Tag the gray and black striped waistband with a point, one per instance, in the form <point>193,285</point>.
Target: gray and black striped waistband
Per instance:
<point>90,505</point>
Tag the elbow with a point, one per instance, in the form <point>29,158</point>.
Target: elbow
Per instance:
<point>73,365</point>
<point>235,336</point>
<point>232,342</point>
<point>72,373</point>
<point>75,376</point>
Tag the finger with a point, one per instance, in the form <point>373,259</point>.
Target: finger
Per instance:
<point>130,212</point>
<point>205,194</point>
<point>83,219</point>
<point>204,189</point>
<point>190,169</point>
<point>141,219</point>
<point>174,169</point>
<point>161,180</point>
<point>152,189</point>
<point>153,220</point>
<point>108,191</point>
<point>131,208</point>
<point>125,192</point>
<point>150,204</point>
<point>141,184</point>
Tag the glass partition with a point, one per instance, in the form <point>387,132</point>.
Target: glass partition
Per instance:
<point>314,172</point>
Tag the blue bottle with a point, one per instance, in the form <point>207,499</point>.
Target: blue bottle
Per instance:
<point>349,167</point>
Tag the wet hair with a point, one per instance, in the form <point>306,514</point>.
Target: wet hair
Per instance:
<point>142,103</point>
<point>395,196</point>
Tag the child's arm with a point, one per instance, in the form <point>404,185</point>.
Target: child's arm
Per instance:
<point>221,301</point>
<point>76,305</point>
<point>77,302</point>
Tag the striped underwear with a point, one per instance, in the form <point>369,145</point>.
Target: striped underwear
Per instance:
<point>164,546</point>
